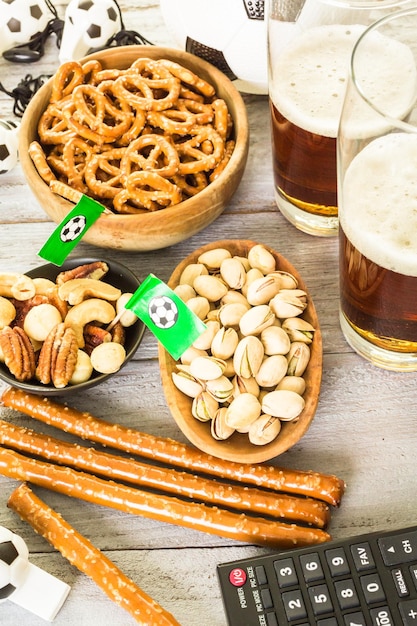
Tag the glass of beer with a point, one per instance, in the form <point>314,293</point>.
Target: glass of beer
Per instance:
<point>377,183</point>
<point>309,47</point>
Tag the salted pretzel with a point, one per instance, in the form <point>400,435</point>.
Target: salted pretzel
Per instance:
<point>147,190</point>
<point>37,154</point>
<point>99,113</point>
<point>103,174</point>
<point>67,77</point>
<point>193,158</point>
<point>151,153</point>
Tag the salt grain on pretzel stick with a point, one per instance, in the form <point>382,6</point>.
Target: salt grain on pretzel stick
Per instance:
<point>213,520</point>
<point>250,499</point>
<point>320,486</point>
<point>88,559</point>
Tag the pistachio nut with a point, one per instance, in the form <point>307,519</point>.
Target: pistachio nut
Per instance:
<point>204,407</point>
<point>220,388</point>
<point>224,343</point>
<point>210,287</point>
<point>298,358</point>
<point>248,356</point>
<point>204,341</point>
<point>298,329</point>
<point>245,385</point>
<point>275,340</point>
<point>186,383</point>
<point>190,272</point>
<point>253,274</point>
<point>191,353</point>
<point>219,429</point>
<point>264,430</point>
<point>272,370</point>
<point>261,258</point>
<point>212,259</point>
<point>230,369</point>
<point>293,383</point>
<point>288,303</point>
<point>232,297</point>
<point>231,314</point>
<point>256,319</point>
<point>285,280</point>
<point>244,260</point>
<point>185,292</point>
<point>243,410</point>
<point>261,290</point>
<point>287,405</point>
<point>207,368</point>
<point>233,273</point>
<point>200,306</point>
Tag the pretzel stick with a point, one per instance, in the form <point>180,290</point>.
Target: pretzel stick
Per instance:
<point>249,499</point>
<point>213,520</point>
<point>88,559</point>
<point>320,486</point>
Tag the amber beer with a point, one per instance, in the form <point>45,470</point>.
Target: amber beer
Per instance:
<point>306,97</point>
<point>378,244</point>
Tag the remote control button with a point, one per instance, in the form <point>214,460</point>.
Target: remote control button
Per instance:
<point>337,561</point>
<point>237,577</point>
<point>286,574</point>
<point>346,594</point>
<point>397,549</point>
<point>381,615</point>
<point>271,619</point>
<point>408,610</point>
<point>362,556</point>
<point>311,566</point>
<point>294,605</point>
<point>320,599</point>
<point>372,588</point>
<point>355,619</point>
<point>266,598</point>
<point>413,572</point>
<point>260,574</point>
<point>400,583</point>
<point>328,621</point>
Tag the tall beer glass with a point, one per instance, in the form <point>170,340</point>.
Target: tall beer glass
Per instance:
<point>377,178</point>
<point>309,47</point>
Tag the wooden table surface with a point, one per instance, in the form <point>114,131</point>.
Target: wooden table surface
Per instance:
<point>364,430</point>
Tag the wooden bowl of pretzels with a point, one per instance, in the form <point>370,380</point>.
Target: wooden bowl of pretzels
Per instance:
<point>158,136</point>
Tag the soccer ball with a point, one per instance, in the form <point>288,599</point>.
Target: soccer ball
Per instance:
<point>89,24</point>
<point>14,562</point>
<point>20,20</point>
<point>73,228</point>
<point>163,312</point>
<point>9,141</point>
<point>230,34</point>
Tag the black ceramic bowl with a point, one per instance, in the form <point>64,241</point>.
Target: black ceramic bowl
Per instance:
<point>119,276</point>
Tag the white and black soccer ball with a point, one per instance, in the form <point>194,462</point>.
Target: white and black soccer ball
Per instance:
<point>9,142</point>
<point>73,228</point>
<point>163,312</point>
<point>230,34</point>
<point>20,20</point>
<point>88,24</point>
<point>14,562</point>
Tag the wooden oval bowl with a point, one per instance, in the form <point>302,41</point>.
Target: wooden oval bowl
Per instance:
<point>238,447</point>
<point>157,229</point>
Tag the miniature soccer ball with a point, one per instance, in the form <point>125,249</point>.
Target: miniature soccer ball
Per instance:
<point>73,228</point>
<point>14,562</point>
<point>89,24</point>
<point>231,35</point>
<point>8,146</point>
<point>163,312</point>
<point>20,20</point>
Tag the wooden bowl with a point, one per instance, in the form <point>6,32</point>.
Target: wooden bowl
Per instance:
<point>157,229</point>
<point>119,276</point>
<point>238,447</point>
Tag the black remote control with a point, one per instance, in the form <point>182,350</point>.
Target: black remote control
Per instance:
<point>369,580</point>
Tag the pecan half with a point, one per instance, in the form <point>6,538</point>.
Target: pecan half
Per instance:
<point>58,357</point>
<point>96,269</point>
<point>18,353</point>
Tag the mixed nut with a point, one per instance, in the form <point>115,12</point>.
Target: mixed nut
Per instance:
<point>245,372</point>
<point>59,333</point>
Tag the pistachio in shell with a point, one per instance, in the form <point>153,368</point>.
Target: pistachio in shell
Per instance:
<point>204,341</point>
<point>186,383</point>
<point>242,411</point>
<point>200,306</point>
<point>287,405</point>
<point>256,319</point>
<point>273,369</point>
<point>210,287</point>
<point>190,272</point>
<point>185,291</point>
<point>204,407</point>
<point>261,290</point>
<point>262,259</point>
<point>248,356</point>
<point>293,383</point>
<point>275,340</point>
<point>212,259</point>
<point>288,303</point>
<point>264,430</point>
<point>220,388</point>
<point>224,343</point>
<point>298,358</point>
<point>230,314</point>
<point>298,329</point>
<point>233,273</point>
<point>207,368</point>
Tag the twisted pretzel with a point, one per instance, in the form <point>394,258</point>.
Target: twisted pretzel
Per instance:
<point>147,190</point>
<point>151,153</point>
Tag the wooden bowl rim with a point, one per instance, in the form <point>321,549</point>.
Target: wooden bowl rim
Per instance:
<point>198,433</point>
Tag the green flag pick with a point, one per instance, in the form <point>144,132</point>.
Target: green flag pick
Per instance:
<point>71,230</point>
<point>172,322</point>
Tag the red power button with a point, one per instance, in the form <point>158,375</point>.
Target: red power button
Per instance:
<point>237,577</point>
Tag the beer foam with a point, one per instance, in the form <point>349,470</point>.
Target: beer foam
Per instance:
<point>378,207</point>
<point>310,75</point>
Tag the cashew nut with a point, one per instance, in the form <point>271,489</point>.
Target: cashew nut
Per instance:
<point>16,285</point>
<point>43,285</point>
<point>91,310</point>
<point>78,289</point>
<point>7,312</point>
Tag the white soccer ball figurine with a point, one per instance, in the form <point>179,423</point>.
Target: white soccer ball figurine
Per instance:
<point>88,25</point>
<point>14,562</point>
<point>20,20</point>
<point>9,142</point>
<point>230,34</point>
<point>163,312</point>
